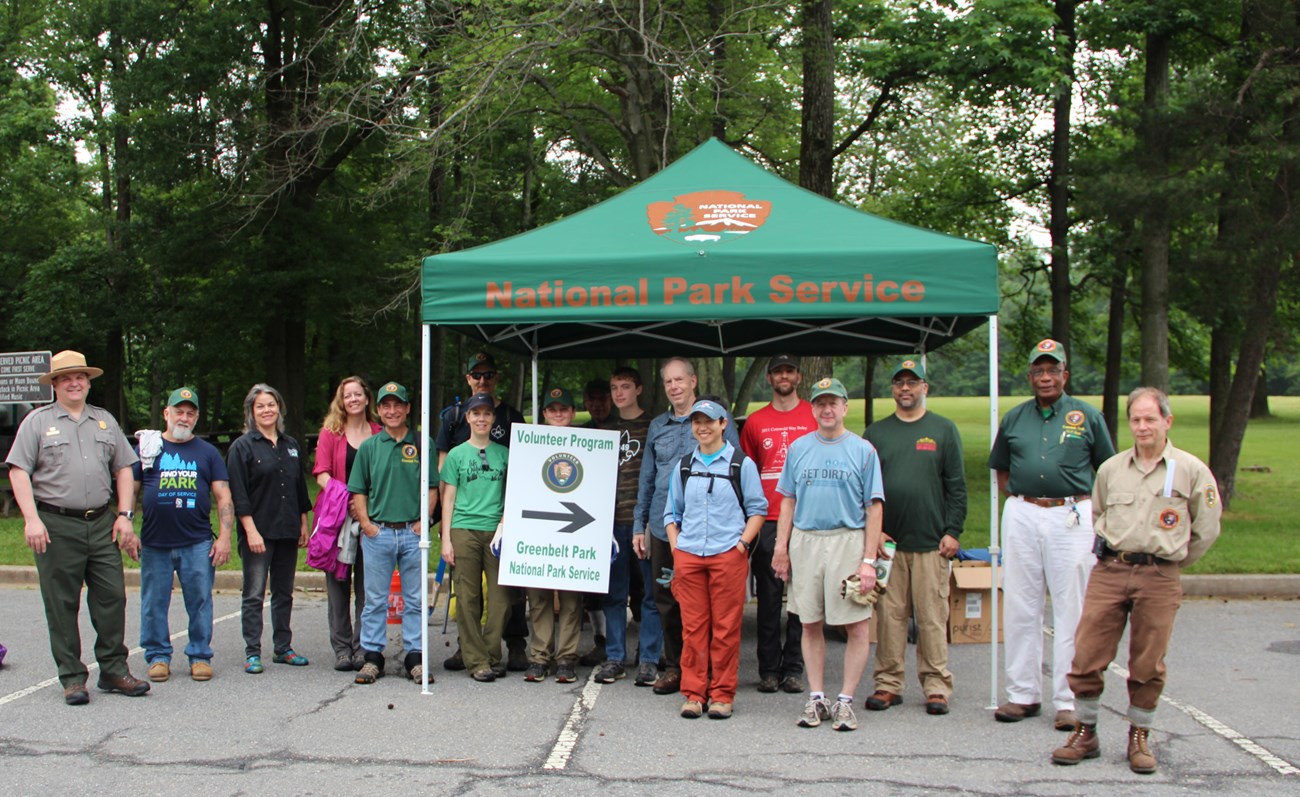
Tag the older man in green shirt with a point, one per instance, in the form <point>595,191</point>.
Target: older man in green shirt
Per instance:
<point>385,487</point>
<point>1045,454</point>
<point>925,479</point>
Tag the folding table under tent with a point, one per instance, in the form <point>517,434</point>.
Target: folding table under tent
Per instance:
<point>714,255</point>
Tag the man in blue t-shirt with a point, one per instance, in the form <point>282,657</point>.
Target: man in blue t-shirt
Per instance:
<point>829,531</point>
<point>180,475</point>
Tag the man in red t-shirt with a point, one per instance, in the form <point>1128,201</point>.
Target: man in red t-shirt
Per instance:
<point>764,438</point>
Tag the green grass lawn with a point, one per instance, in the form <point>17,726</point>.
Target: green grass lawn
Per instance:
<point>1259,531</point>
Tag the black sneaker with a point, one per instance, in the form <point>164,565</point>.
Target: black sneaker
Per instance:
<point>594,656</point>
<point>499,670</point>
<point>516,660</point>
<point>454,662</point>
<point>768,684</point>
<point>610,672</point>
<point>646,674</point>
<point>535,673</point>
<point>565,674</point>
<point>792,685</point>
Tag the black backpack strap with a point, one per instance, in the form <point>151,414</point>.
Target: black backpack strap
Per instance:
<point>733,475</point>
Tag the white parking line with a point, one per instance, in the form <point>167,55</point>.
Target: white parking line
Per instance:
<point>572,730</point>
<point>94,666</point>
<point>1280,765</point>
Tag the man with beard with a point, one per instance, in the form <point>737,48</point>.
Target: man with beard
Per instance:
<point>178,477</point>
<point>925,479</point>
<point>765,439</point>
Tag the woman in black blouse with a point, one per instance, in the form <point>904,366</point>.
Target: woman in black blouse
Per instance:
<point>270,492</point>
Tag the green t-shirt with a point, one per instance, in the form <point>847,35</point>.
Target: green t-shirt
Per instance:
<point>925,479</point>
<point>1052,456</point>
<point>480,487</point>
<point>387,472</point>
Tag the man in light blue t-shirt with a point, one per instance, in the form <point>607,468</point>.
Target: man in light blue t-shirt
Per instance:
<point>830,530</point>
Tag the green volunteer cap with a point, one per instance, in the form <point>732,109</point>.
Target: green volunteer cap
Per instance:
<point>913,365</point>
<point>480,358</point>
<point>393,390</point>
<point>183,395</point>
<point>829,387</point>
<point>558,395</point>
<point>1047,348</point>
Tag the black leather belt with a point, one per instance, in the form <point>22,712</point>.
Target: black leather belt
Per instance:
<point>1130,558</point>
<point>83,514</point>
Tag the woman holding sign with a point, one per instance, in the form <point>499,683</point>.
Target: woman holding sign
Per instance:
<point>715,510</point>
<point>474,483</point>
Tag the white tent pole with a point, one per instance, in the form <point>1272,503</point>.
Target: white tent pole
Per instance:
<point>995,549</point>
<point>424,508</point>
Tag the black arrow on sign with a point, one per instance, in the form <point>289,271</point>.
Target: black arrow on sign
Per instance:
<point>576,517</point>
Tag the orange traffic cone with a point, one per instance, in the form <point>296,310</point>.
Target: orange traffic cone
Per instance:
<point>395,603</point>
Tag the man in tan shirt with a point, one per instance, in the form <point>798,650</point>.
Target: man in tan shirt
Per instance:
<point>1155,511</point>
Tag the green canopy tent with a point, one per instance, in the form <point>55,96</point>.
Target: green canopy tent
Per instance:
<point>714,255</point>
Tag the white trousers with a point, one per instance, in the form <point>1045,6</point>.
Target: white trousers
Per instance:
<point>1043,555</point>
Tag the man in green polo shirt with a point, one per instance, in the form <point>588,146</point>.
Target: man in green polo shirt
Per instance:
<point>925,479</point>
<point>385,487</point>
<point>1046,454</point>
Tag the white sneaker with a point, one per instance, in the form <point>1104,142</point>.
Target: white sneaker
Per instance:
<point>814,711</point>
<point>842,716</point>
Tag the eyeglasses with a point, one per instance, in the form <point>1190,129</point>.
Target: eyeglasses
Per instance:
<point>482,456</point>
<point>912,383</point>
<point>1046,370</point>
<point>482,376</point>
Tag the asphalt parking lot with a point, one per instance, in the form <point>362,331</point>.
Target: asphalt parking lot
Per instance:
<point>1230,725</point>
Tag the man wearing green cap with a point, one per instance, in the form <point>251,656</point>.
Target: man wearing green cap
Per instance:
<point>385,487</point>
<point>177,477</point>
<point>1045,454</point>
<point>828,533</point>
<point>921,460</point>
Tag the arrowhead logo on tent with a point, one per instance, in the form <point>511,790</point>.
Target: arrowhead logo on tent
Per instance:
<point>707,217</point>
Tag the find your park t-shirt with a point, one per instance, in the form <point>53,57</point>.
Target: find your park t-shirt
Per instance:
<point>177,494</point>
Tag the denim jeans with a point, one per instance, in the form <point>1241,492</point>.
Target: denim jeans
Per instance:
<point>193,565</point>
<point>651,638</point>
<point>391,548</point>
<point>615,601</point>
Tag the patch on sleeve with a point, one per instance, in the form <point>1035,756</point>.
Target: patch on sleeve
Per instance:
<point>1211,497</point>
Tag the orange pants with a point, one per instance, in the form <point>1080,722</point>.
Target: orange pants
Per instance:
<point>711,592</point>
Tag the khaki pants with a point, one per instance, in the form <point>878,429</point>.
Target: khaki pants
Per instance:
<point>1146,597</point>
<point>541,609</point>
<point>480,645</point>
<point>918,582</point>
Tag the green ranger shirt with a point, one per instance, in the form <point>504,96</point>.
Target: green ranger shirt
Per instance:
<point>1052,453</point>
<point>479,476</point>
<point>387,473</point>
<point>925,479</point>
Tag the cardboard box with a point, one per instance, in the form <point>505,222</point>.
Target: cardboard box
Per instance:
<point>970,603</point>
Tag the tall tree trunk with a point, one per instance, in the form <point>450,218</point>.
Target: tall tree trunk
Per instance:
<point>818,117</point>
<point>719,65</point>
<point>757,368</point>
<point>1058,180</point>
<point>1155,215</point>
<point>1259,401</point>
<point>869,364</point>
<point>1220,378</point>
<point>1114,350</point>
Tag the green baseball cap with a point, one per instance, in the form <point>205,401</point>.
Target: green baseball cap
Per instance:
<point>393,390</point>
<point>183,395</point>
<point>558,395</point>
<point>1047,348</point>
<point>912,364</point>
<point>829,386</point>
<point>480,358</point>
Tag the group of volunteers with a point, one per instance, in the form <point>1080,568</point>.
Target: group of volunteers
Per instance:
<point>793,501</point>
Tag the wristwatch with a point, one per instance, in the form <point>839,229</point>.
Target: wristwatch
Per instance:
<point>744,545</point>
<point>128,514</point>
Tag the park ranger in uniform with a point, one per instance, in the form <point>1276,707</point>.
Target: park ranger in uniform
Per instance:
<point>1156,510</point>
<point>65,461</point>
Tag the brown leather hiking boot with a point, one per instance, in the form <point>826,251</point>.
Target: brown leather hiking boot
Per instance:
<point>1140,758</point>
<point>1081,744</point>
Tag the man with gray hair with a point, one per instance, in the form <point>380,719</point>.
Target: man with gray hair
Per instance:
<point>1156,511</point>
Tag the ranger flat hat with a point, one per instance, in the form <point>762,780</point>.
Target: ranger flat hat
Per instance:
<point>67,362</point>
